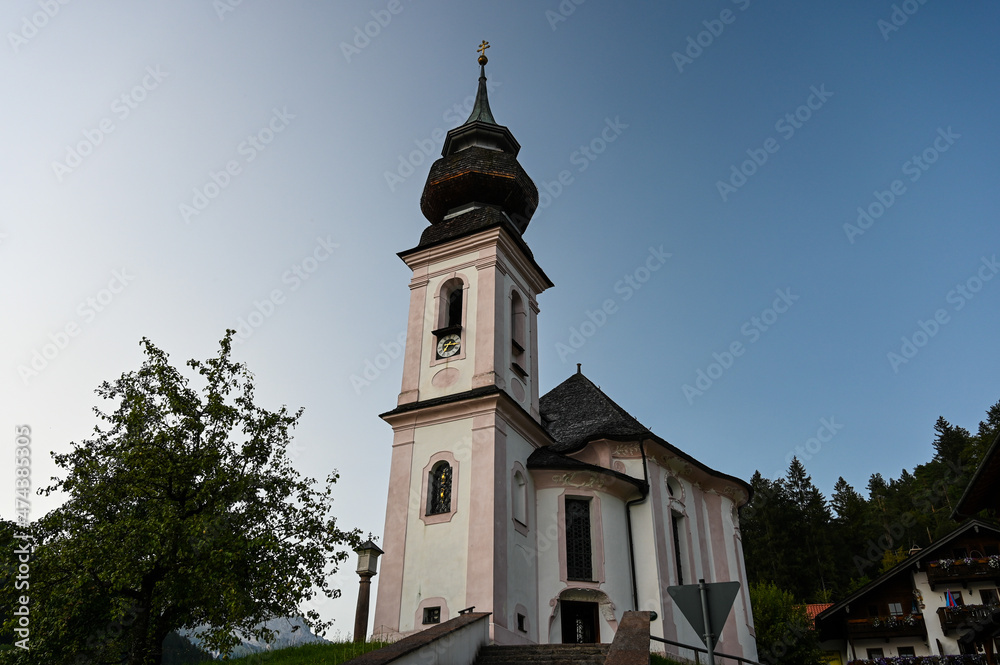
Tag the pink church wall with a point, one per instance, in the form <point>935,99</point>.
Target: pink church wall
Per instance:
<point>390,587</point>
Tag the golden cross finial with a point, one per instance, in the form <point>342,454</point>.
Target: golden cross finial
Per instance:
<point>482,48</point>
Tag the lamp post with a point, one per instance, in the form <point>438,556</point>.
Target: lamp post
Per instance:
<point>368,554</point>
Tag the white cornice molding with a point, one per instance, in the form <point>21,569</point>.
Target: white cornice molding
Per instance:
<point>497,239</point>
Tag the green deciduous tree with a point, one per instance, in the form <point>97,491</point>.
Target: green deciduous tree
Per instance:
<point>182,511</point>
<point>785,634</point>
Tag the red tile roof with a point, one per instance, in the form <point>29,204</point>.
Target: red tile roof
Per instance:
<point>812,609</point>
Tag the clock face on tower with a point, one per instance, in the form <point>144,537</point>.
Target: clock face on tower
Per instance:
<point>449,345</point>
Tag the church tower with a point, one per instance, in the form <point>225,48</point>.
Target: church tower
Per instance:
<point>467,417</point>
<point>555,514</point>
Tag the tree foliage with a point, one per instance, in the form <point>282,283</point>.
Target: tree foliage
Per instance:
<point>183,511</point>
<point>821,551</point>
<point>785,635</point>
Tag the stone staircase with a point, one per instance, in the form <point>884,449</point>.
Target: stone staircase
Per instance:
<point>534,654</point>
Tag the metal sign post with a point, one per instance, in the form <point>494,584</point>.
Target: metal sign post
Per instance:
<point>706,607</point>
<point>708,638</point>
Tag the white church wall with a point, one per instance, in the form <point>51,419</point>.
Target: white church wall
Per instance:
<point>546,539</point>
<point>612,585</point>
<point>435,551</point>
<point>681,503</point>
<point>522,576</point>
<point>737,570</point>
<point>524,389</point>
<point>445,375</point>
<point>709,549</point>
<point>617,572</point>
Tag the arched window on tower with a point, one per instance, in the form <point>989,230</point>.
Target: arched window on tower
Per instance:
<point>518,343</point>
<point>519,498</point>
<point>439,489</point>
<point>450,304</point>
<point>455,307</point>
<point>450,313</point>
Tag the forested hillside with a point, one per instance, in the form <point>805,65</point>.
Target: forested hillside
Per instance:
<point>821,549</point>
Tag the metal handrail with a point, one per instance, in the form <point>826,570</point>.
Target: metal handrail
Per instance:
<point>701,650</point>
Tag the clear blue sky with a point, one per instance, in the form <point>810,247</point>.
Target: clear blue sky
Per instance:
<point>864,98</point>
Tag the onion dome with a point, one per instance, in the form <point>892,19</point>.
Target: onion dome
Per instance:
<point>479,169</point>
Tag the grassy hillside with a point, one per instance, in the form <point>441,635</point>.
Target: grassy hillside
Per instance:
<point>308,654</point>
<point>333,654</point>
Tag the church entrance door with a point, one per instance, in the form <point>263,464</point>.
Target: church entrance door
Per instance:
<point>579,622</point>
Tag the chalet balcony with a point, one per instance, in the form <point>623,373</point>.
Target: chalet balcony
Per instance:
<point>969,659</point>
<point>910,625</point>
<point>968,616</point>
<point>962,571</point>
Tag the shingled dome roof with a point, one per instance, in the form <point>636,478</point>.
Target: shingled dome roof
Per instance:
<point>576,411</point>
<point>479,168</point>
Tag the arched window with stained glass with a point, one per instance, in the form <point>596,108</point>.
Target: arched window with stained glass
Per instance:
<point>439,489</point>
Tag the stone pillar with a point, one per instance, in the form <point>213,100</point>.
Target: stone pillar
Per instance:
<point>361,614</point>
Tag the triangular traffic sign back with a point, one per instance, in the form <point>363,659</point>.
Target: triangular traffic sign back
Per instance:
<point>720,601</point>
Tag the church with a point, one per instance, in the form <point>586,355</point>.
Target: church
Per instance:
<point>555,513</point>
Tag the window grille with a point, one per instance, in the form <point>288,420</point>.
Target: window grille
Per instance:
<point>578,547</point>
<point>439,496</point>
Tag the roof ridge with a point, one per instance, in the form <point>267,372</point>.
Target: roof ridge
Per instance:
<point>621,410</point>
<point>578,411</point>
<point>607,399</point>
